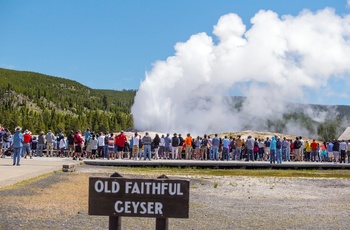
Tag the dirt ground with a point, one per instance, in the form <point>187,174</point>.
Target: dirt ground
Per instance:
<point>60,201</point>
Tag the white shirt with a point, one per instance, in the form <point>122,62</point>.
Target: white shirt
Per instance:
<point>135,140</point>
<point>162,142</point>
<point>101,140</point>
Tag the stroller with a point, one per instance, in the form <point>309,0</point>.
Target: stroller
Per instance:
<point>8,152</point>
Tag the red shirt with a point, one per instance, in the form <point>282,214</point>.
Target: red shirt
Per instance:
<point>314,145</point>
<point>26,138</point>
<point>120,140</point>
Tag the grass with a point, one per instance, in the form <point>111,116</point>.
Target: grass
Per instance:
<point>234,172</point>
<point>61,200</point>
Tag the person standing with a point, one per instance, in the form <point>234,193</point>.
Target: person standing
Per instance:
<point>174,146</point>
<point>216,144</point>
<point>147,141</point>
<point>279,150</point>
<point>87,136</point>
<point>336,150</point>
<point>111,142</point>
<point>70,140</point>
<point>267,148</point>
<point>204,148</point>
<point>120,142</point>
<point>17,145</point>
<point>50,139</point>
<point>238,149</point>
<point>314,147</point>
<point>167,146</point>
<point>93,146</point>
<point>225,149</point>
<point>101,145</point>
<point>135,146</point>
<point>41,143</point>
<point>156,142</point>
<point>273,150</point>
<point>342,148</point>
<point>162,147</point>
<point>188,143</point>
<point>6,139</point>
<point>297,149</point>
<point>78,141</point>
<point>26,144</point>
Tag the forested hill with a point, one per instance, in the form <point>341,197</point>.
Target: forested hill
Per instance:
<point>40,102</point>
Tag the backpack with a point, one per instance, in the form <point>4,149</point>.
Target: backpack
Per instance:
<point>278,144</point>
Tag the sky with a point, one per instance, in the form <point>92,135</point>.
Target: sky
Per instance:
<point>187,56</point>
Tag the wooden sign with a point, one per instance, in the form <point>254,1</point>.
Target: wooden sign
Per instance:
<point>160,198</point>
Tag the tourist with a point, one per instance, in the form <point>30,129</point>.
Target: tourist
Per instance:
<point>216,144</point>
<point>147,141</point>
<point>27,138</point>
<point>204,148</point>
<point>342,148</point>
<point>314,146</point>
<point>273,150</point>
<point>17,146</point>
<point>167,146</point>
<point>188,143</point>
<point>174,146</point>
<point>101,145</point>
<point>50,139</point>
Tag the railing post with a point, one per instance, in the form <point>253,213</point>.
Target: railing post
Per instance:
<point>162,223</point>
<point>115,222</point>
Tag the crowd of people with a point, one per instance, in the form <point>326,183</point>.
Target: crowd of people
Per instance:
<point>112,146</point>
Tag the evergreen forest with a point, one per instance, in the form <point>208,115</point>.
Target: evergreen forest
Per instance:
<point>39,102</point>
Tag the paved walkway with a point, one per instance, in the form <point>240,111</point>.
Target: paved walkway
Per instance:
<point>29,168</point>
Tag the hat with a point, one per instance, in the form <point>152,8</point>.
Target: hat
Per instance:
<point>18,129</point>
<point>26,131</point>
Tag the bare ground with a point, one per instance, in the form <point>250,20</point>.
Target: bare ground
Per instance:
<point>60,201</point>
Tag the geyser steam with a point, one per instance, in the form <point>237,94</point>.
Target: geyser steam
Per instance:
<point>278,59</point>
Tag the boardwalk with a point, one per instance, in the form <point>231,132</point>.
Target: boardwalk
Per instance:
<point>218,164</point>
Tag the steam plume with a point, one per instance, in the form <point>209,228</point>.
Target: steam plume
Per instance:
<point>277,60</point>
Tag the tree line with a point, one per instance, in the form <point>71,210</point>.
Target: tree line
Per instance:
<point>39,102</point>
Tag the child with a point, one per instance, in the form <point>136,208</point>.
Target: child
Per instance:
<point>93,146</point>
<point>62,146</point>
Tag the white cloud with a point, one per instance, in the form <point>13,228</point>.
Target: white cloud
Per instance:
<point>274,61</point>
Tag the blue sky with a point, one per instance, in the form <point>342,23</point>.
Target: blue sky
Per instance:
<point>111,44</point>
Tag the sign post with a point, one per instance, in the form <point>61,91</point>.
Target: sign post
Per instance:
<point>160,198</point>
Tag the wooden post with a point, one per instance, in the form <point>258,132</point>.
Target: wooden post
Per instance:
<point>115,222</point>
<point>162,223</point>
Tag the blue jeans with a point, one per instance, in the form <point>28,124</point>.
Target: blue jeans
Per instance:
<point>284,153</point>
<point>238,153</point>
<point>272,156</point>
<point>105,151</point>
<point>250,155</point>
<point>215,153</point>
<point>147,153</point>
<point>6,145</point>
<point>225,154</point>
<point>279,156</point>
<point>25,149</point>
<point>287,154</point>
<point>17,155</point>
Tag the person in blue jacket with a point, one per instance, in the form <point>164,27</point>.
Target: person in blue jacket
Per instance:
<point>17,144</point>
<point>273,150</point>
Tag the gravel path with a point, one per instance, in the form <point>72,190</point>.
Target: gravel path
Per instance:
<point>215,203</point>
